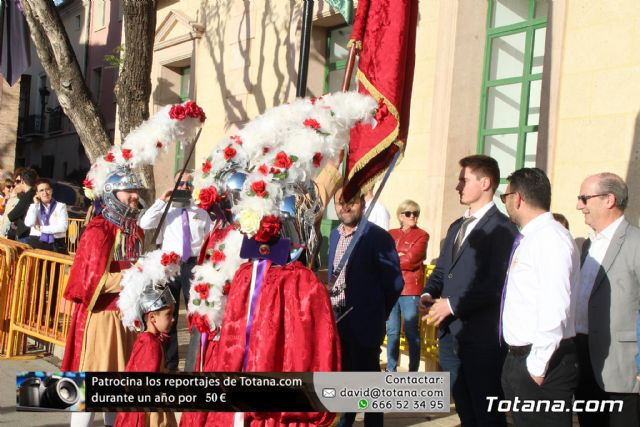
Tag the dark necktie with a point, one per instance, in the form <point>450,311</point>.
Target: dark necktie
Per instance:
<point>457,244</point>
<point>515,245</point>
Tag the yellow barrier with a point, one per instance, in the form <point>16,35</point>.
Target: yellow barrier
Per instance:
<point>38,309</point>
<point>73,234</point>
<point>9,252</point>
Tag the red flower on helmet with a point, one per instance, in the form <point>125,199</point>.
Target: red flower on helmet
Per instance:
<point>283,161</point>
<point>87,183</point>
<point>312,123</point>
<point>169,258</point>
<point>192,109</point>
<point>178,112</point>
<point>109,157</point>
<point>206,167</point>
<point>229,153</point>
<point>202,289</point>
<point>236,139</point>
<point>159,144</point>
<point>208,197</point>
<point>265,150</point>
<point>126,154</point>
<point>263,169</point>
<point>269,229</point>
<point>218,256</point>
<point>260,188</point>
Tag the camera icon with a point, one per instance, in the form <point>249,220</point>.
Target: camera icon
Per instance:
<point>329,392</point>
<point>53,392</point>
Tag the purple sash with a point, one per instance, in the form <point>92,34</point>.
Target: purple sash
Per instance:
<point>263,265</point>
<point>45,215</point>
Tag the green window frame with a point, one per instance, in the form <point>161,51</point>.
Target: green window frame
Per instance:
<point>491,86</point>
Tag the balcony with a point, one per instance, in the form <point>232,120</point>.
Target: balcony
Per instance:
<point>58,121</point>
<point>32,125</point>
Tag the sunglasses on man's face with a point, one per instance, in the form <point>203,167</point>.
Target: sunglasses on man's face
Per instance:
<point>18,181</point>
<point>188,184</point>
<point>409,214</point>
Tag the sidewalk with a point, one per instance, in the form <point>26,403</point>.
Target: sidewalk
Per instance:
<point>9,416</point>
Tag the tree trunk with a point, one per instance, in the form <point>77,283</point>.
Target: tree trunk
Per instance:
<point>133,88</point>
<point>60,63</point>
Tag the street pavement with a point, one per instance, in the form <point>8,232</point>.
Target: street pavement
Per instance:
<point>10,417</point>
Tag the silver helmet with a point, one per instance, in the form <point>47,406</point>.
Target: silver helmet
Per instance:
<point>152,298</point>
<point>120,214</point>
<point>299,211</point>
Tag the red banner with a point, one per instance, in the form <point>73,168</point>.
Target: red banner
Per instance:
<point>386,32</point>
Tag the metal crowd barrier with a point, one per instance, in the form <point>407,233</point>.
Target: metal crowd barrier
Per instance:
<point>9,252</point>
<point>73,233</point>
<point>38,309</point>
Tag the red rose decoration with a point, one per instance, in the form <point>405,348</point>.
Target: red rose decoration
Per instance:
<point>269,228</point>
<point>206,167</point>
<point>192,109</point>
<point>312,123</point>
<point>265,150</point>
<point>170,258</point>
<point>177,112</point>
<point>126,154</point>
<point>109,157</point>
<point>159,144</point>
<point>226,288</point>
<point>275,171</point>
<point>202,289</point>
<point>263,169</point>
<point>317,159</point>
<point>229,153</point>
<point>208,197</point>
<point>200,322</point>
<point>87,183</point>
<point>260,188</point>
<point>283,161</point>
<point>314,100</point>
<point>218,256</point>
<point>236,139</point>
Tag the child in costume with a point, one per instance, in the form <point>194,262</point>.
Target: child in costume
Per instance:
<point>147,303</point>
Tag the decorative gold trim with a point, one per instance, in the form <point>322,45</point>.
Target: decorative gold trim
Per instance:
<point>358,44</point>
<point>390,139</point>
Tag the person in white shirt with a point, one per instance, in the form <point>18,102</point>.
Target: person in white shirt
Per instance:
<point>47,219</point>
<point>608,303</point>
<point>183,232</point>
<point>539,299</point>
<point>379,214</point>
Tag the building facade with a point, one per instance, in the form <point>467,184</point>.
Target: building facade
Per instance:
<point>547,83</point>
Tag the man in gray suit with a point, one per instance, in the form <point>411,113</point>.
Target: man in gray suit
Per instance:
<point>608,302</point>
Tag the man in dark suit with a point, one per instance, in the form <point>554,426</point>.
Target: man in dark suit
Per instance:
<point>463,293</point>
<point>364,293</point>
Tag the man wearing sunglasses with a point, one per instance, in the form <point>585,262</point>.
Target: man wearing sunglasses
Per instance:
<point>462,296</point>
<point>25,182</point>
<point>183,232</point>
<point>608,302</point>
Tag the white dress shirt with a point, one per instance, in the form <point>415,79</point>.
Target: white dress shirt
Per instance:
<point>171,235</point>
<point>540,303</point>
<point>597,250</point>
<point>379,215</point>
<point>58,221</point>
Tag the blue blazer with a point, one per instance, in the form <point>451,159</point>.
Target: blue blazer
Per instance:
<point>374,283</point>
<point>473,281</point>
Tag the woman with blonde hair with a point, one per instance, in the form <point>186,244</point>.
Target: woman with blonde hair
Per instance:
<point>411,243</point>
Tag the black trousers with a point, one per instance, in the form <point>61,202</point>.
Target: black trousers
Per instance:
<point>559,383</point>
<point>181,284</point>
<point>358,358</point>
<point>474,370</point>
<point>588,389</point>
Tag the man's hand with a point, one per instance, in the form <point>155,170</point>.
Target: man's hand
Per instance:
<point>536,379</point>
<point>438,312</point>
<point>425,302</point>
<point>166,195</point>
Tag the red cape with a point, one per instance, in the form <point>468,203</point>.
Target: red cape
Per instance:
<point>146,356</point>
<point>293,331</point>
<point>89,265</point>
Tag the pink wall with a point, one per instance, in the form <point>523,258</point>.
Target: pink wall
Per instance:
<point>102,41</point>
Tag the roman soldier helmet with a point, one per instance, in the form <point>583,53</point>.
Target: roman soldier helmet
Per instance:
<point>120,214</point>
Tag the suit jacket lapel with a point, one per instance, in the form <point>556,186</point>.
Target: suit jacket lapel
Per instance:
<point>481,222</point>
<point>612,252</point>
<point>585,251</point>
